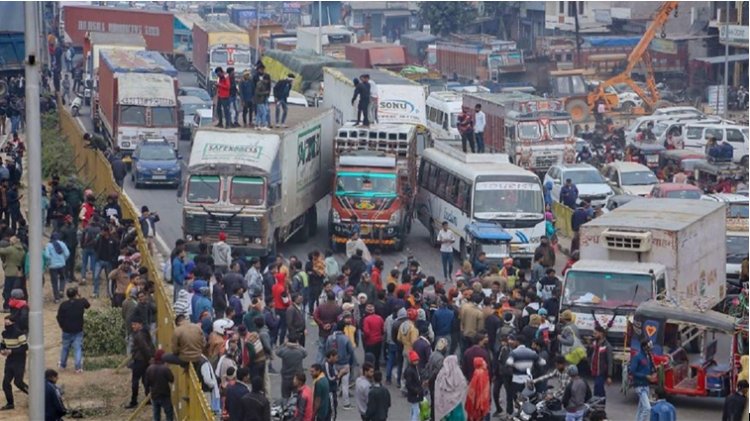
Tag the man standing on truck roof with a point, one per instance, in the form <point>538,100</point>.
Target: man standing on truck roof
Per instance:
<point>247,91</point>
<point>373,101</point>
<point>232,97</point>
<point>281,94</point>
<point>222,98</point>
<point>466,128</point>
<point>480,122</point>
<point>362,91</point>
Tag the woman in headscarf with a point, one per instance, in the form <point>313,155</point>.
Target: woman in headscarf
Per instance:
<point>57,254</point>
<point>433,368</point>
<point>478,397</point>
<point>450,391</point>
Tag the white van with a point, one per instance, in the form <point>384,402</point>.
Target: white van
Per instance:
<point>664,127</point>
<point>641,123</point>
<point>443,109</point>
<point>696,136</point>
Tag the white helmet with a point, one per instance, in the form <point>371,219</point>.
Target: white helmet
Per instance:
<point>222,325</point>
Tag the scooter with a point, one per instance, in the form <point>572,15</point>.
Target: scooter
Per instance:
<point>75,105</point>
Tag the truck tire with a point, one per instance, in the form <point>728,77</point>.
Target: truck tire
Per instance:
<point>578,109</point>
<point>312,221</point>
<point>182,64</point>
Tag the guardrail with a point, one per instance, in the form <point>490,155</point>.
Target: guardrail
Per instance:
<point>563,218</point>
<point>94,170</point>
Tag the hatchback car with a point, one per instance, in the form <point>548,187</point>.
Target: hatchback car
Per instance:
<point>587,179</point>
<point>156,163</point>
<point>630,178</point>
<point>676,191</point>
<point>200,118</point>
<point>188,106</point>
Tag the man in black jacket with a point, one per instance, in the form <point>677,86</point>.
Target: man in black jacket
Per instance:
<point>235,391</point>
<point>378,400</point>
<point>362,91</point>
<point>255,405</point>
<point>14,347</point>
<point>141,352</point>
<point>158,380</point>
<point>54,409</point>
<point>70,320</point>
<point>357,266</point>
<point>734,404</point>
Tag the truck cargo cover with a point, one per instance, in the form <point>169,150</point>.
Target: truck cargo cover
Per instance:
<point>230,148</point>
<point>661,214</point>
<point>309,66</point>
<point>154,90</point>
<point>122,61</point>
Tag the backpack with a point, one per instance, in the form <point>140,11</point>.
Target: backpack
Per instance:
<point>395,328</point>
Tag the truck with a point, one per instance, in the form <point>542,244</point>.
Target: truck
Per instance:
<point>400,100</point>
<point>219,44</point>
<point>96,42</point>
<point>136,99</point>
<point>182,57</point>
<point>12,47</point>
<point>334,38</point>
<point>376,181</point>
<point>376,55</point>
<point>260,188</point>
<point>535,132</point>
<point>306,67</point>
<point>480,57</point>
<point>646,249</point>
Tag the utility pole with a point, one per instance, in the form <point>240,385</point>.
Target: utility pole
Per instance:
<point>257,31</point>
<point>578,34</point>
<point>726,60</point>
<point>320,27</point>
<point>34,169</point>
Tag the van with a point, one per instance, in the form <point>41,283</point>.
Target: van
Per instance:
<point>664,127</point>
<point>443,109</point>
<point>696,136</point>
<point>641,123</point>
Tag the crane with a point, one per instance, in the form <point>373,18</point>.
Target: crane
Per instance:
<point>639,53</point>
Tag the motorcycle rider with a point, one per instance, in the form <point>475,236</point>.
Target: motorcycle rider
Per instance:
<point>577,393</point>
<point>558,375</point>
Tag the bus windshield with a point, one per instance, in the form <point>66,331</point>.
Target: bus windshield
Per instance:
<point>366,184</point>
<point>507,197</point>
<point>606,288</point>
<point>246,191</point>
<point>203,189</point>
<point>529,130</point>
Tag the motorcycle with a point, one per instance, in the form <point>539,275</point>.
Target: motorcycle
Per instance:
<point>75,105</point>
<point>546,405</point>
<point>284,409</point>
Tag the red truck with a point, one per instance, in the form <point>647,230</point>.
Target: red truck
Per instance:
<point>156,27</point>
<point>368,55</point>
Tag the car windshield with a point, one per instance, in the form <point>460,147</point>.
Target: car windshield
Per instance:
<point>659,128</point>
<point>606,288</point>
<point>683,194</point>
<point>738,210</point>
<point>203,189</point>
<point>156,153</point>
<point>198,93</point>
<point>508,197</point>
<point>559,129</point>
<point>529,130</point>
<point>162,116</point>
<point>247,191</point>
<point>133,115</point>
<point>737,248</point>
<point>219,56</point>
<point>638,178</point>
<point>585,177</point>
<point>366,185</point>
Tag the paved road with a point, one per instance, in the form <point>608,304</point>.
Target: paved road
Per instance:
<point>164,201</point>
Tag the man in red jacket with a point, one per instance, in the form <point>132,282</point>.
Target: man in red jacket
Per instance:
<point>222,97</point>
<point>372,333</point>
<point>281,302</point>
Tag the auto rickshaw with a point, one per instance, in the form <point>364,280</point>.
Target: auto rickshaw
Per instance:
<point>647,154</point>
<point>708,174</point>
<point>685,348</point>
<point>683,160</point>
<point>489,238</point>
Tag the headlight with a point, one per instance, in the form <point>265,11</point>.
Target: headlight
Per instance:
<point>258,240</point>
<point>189,237</point>
<point>395,218</point>
<point>335,216</point>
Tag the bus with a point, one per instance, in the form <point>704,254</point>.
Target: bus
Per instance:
<point>461,188</point>
<point>443,109</point>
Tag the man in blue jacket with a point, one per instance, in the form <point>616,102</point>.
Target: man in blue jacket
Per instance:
<point>178,273</point>
<point>569,194</point>
<point>247,91</point>
<point>643,371</point>
<point>54,409</point>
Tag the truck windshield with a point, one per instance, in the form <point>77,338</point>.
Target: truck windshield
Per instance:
<point>247,191</point>
<point>559,129</point>
<point>163,116</point>
<point>241,57</point>
<point>219,56</point>
<point>737,210</point>
<point>157,153</point>
<point>737,248</point>
<point>529,131</point>
<point>492,197</point>
<point>606,289</point>
<point>366,185</point>
<point>203,189</point>
<point>133,115</point>
<point>495,249</point>
<point>638,178</point>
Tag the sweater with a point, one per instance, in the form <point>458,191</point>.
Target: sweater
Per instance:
<point>70,315</point>
<point>158,380</point>
<point>378,403</point>
<point>292,357</point>
<point>188,341</point>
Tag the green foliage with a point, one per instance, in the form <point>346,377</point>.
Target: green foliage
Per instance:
<point>58,157</point>
<point>445,17</point>
<point>104,332</point>
<point>98,363</point>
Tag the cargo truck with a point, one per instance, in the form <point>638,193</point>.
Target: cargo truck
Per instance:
<point>260,188</point>
<point>182,57</point>
<point>219,44</point>
<point>645,249</point>
<point>136,99</point>
<point>374,54</point>
<point>535,132</point>
<point>400,100</point>
<point>375,181</point>
<point>95,42</point>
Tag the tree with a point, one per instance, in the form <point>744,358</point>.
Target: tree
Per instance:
<point>445,17</point>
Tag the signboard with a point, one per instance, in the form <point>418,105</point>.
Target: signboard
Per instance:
<point>308,157</point>
<point>717,98</point>
<point>401,104</point>
<point>220,151</point>
<point>506,185</point>
<point>666,46</point>
<point>505,59</point>
<point>603,16</point>
<point>738,35</point>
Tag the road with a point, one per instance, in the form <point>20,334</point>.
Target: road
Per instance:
<point>164,201</point>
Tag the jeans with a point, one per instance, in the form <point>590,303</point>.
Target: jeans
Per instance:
<point>222,111</point>
<point>88,261</point>
<point>321,350</point>
<point>479,137</point>
<point>262,115</point>
<point>101,265</point>
<point>76,340</point>
<point>233,107</point>
<point>375,351</point>
<point>644,404</point>
<point>447,258</point>
<point>11,282</point>
<point>281,104</point>
<point>70,265</point>
<point>247,111</point>
<point>414,411</point>
<point>574,416</point>
<point>15,122</point>
<point>599,382</point>
<point>363,111</point>
<point>467,138</point>
<point>281,314</point>
<point>394,360</point>
<point>57,277</point>
<point>164,403</point>
<point>344,382</point>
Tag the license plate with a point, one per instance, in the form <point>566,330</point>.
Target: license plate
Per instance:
<point>159,177</point>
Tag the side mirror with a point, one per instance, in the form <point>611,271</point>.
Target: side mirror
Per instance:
<point>179,156</point>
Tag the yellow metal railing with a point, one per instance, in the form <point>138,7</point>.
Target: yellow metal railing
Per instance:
<point>563,216</point>
<point>95,172</point>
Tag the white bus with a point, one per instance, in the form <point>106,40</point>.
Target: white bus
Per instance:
<point>462,188</point>
<point>443,109</point>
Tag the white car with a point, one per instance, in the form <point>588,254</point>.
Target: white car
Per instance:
<point>696,136</point>
<point>201,118</point>
<point>630,178</point>
<point>587,179</point>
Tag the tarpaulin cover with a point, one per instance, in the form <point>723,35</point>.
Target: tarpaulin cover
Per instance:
<point>612,41</point>
<point>124,61</point>
<point>309,66</point>
<point>415,42</point>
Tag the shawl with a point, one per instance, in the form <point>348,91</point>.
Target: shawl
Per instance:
<point>478,396</point>
<point>450,387</point>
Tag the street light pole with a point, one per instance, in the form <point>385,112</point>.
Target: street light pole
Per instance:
<point>726,60</point>
<point>320,27</point>
<point>34,145</point>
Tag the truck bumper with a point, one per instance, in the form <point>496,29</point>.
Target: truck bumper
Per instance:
<point>247,250</point>
<point>379,234</point>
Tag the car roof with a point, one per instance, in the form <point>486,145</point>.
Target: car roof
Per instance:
<point>576,167</point>
<point>726,198</point>
<point>628,166</point>
<point>189,99</point>
<point>670,187</point>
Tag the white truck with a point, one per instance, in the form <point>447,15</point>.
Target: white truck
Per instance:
<point>400,100</point>
<point>644,249</point>
<point>258,187</point>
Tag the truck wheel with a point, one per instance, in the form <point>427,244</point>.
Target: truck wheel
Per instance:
<point>578,109</point>
<point>312,221</point>
<point>182,64</point>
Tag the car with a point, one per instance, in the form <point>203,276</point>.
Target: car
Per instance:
<point>738,205</point>
<point>617,200</point>
<point>696,135</point>
<point>188,106</point>
<point>630,178</point>
<point>201,118</point>
<point>590,183</point>
<point>680,110</point>
<point>156,163</point>
<point>199,93</point>
<point>676,191</point>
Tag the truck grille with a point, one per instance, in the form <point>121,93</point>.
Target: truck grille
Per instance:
<point>627,240</point>
<point>233,226</point>
<point>594,197</point>
<point>546,161</point>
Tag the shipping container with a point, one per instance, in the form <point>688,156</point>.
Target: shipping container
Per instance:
<point>370,54</point>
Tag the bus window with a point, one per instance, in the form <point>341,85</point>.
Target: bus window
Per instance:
<point>442,180</point>
<point>432,179</point>
<point>450,190</point>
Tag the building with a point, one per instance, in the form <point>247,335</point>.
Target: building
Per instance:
<point>380,19</point>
